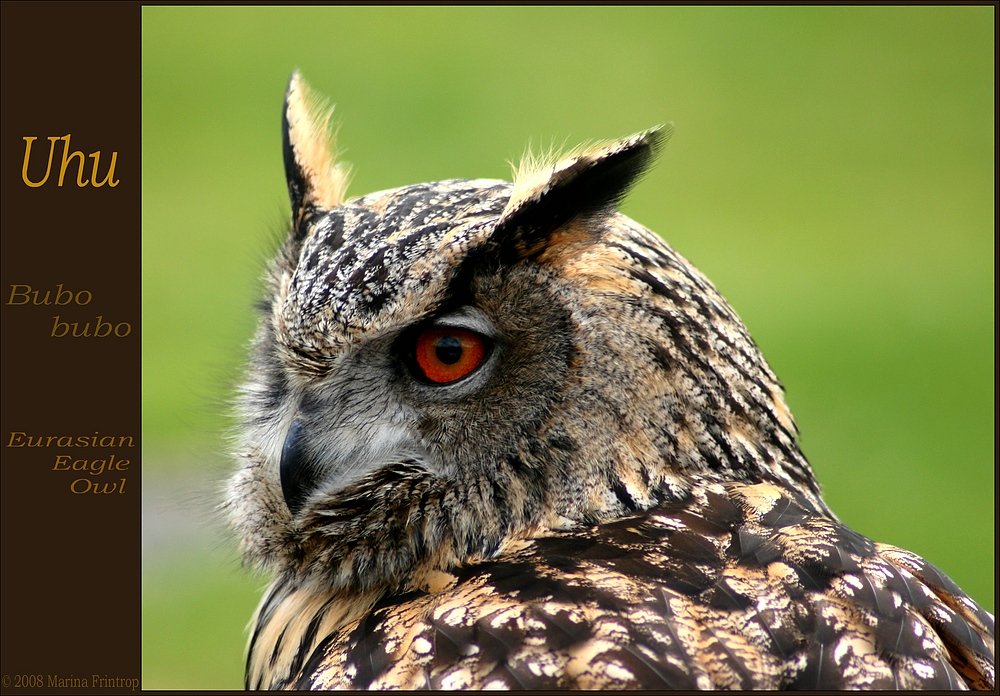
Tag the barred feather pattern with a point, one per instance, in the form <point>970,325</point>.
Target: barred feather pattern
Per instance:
<point>737,587</point>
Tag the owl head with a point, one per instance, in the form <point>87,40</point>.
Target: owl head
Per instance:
<point>441,370</point>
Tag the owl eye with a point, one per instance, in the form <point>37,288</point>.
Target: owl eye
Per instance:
<point>445,354</point>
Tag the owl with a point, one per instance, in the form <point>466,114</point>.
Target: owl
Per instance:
<point>499,435</point>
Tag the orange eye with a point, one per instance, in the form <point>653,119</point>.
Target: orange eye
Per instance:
<point>446,354</point>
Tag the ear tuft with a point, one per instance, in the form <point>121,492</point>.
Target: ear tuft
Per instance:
<point>314,179</point>
<point>585,182</point>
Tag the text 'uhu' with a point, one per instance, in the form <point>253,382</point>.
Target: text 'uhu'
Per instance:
<point>69,157</point>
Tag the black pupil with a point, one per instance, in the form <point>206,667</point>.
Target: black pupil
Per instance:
<point>448,350</point>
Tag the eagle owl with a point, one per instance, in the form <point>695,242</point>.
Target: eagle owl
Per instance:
<point>499,435</point>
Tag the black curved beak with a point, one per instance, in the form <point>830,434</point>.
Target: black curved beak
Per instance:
<point>299,474</point>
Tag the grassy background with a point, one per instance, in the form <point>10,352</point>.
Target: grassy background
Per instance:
<point>832,172</point>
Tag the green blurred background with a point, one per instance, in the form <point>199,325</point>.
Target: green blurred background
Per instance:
<point>831,171</point>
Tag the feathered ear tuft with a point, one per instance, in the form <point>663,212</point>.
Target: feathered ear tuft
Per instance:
<point>315,180</point>
<point>585,182</point>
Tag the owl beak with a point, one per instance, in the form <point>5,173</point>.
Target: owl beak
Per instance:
<point>299,474</point>
<point>316,457</point>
